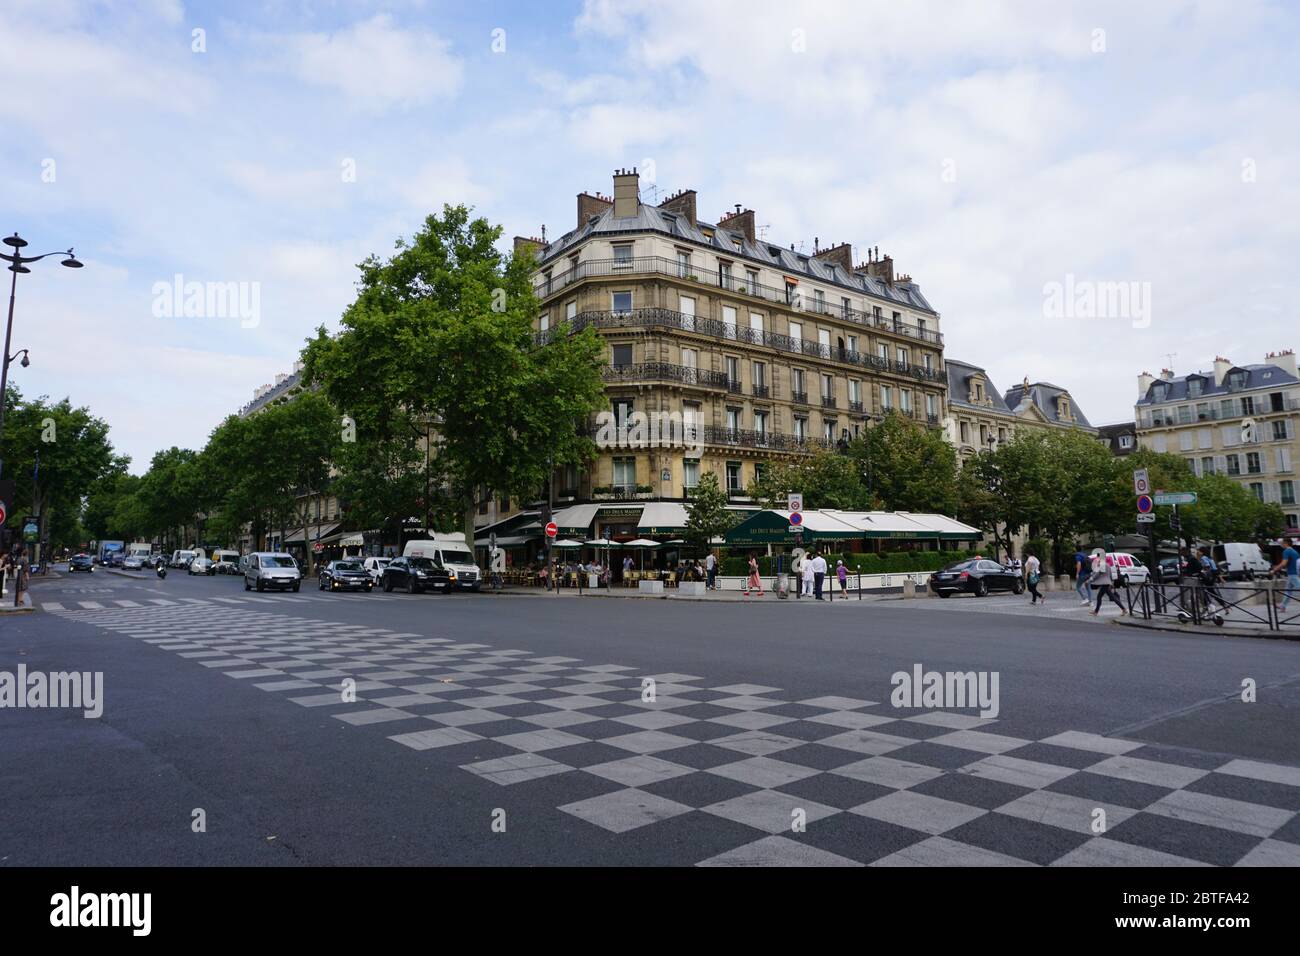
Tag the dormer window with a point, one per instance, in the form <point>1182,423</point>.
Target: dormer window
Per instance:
<point>1236,380</point>
<point>1159,392</point>
<point>1063,408</point>
<point>1194,386</point>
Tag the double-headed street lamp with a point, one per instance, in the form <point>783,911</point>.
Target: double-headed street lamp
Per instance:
<point>18,266</point>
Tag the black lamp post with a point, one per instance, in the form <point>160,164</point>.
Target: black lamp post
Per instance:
<point>18,266</point>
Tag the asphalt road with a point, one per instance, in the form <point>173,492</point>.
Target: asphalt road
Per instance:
<point>477,713</point>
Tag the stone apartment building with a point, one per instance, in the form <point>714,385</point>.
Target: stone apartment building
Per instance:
<point>980,418</point>
<point>759,350</point>
<point>1236,420</point>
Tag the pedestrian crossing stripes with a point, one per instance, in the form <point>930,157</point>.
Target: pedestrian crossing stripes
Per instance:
<point>105,604</point>
<point>870,783</point>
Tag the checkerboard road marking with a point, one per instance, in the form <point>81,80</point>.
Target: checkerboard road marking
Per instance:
<point>866,795</point>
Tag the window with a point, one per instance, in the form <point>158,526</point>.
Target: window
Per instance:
<point>1257,489</point>
<point>751,280</point>
<point>932,409</point>
<point>824,340</point>
<point>965,433</point>
<point>545,321</point>
<point>797,384</point>
<point>1207,466</point>
<point>622,256</point>
<point>1279,430</point>
<point>855,391</point>
<point>690,473</point>
<point>1252,463</point>
<point>1184,441</point>
<point>1283,458</point>
<point>683,264</point>
<point>1191,465</point>
<point>929,362</point>
<point>733,421</point>
<point>902,357</point>
<point>622,355</point>
<point>882,350</point>
<point>905,400</point>
<point>1184,414</point>
<point>733,478</point>
<point>1234,464</point>
<point>756,327</point>
<point>570,311</point>
<point>853,344</point>
<point>1276,402</point>
<point>845,307</point>
<point>1227,408</point>
<point>687,304</point>
<point>1287,491</point>
<point>729,321</point>
<point>625,474</point>
<point>796,333</point>
<point>621,301</point>
<point>800,427</point>
<point>828,429</point>
<point>828,386</point>
<point>546,282</point>
<point>622,411</point>
<point>886,398</point>
<point>690,358</point>
<point>690,421</point>
<point>791,293</point>
<point>760,424</point>
<point>724,275</point>
<point>819,300</point>
<point>1194,386</point>
<point>1247,405</point>
<point>1002,435</point>
<point>1125,441</point>
<point>1159,444</point>
<point>733,371</point>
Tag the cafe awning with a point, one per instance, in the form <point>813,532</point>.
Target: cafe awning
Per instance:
<point>772,526</point>
<point>314,533</point>
<point>662,517</point>
<point>575,519</point>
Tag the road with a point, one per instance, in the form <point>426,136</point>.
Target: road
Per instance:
<point>519,730</point>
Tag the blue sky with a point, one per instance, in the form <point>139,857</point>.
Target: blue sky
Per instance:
<point>991,148</point>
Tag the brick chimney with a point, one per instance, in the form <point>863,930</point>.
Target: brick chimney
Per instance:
<point>589,205</point>
<point>840,255</point>
<point>878,266</point>
<point>682,203</point>
<point>531,243</point>
<point>1285,360</point>
<point>1221,366</point>
<point>741,220</point>
<point>627,193</point>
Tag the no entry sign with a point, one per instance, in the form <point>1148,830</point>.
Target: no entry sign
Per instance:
<point>3,513</point>
<point>552,529</point>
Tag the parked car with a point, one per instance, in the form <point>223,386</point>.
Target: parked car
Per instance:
<point>133,562</point>
<point>1167,572</point>
<point>200,566</point>
<point>348,575</point>
<point>271,569</point>
<point>415,575</point>
<point>375,567</point>
<point>182,559</point>
<point>81,562</point>
<point>977,576</point>
<point>451,552</point>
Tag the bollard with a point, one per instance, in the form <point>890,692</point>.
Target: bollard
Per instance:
<point>909,587</point>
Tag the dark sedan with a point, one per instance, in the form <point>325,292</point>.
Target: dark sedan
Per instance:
<point>415,575</point>
<point>81,562</point>
<point>977,576</point>
<point>345,576</point>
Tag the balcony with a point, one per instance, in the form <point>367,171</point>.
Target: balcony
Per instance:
<point>733,385</point>
<point>762,391</point>
<point>680,321</point>
<point>799,398</point>
<point>747,438</point>
<point>855,407</point>
<point>665,372</point>
<point>828,401</point>
<point>788,296</point>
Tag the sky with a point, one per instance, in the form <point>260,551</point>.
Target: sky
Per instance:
<point>1012,157</point>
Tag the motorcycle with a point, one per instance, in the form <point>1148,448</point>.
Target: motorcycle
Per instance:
<point>162,570</point>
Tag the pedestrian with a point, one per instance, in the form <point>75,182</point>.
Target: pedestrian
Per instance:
<point>1210,577</point>
<point>1014,563</point>
<point>21,570</point>
<point>807,572</point>
<point>1290,557</point>
<point>1082,571</point>
<point>754,582</point>
<point>711,571</point>
<point>842,573</point>
<point>819,575</point>
<point>1103,580</point>
<point>1032,568</point>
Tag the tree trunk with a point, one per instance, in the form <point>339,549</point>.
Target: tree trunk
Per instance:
<point>468,526</point>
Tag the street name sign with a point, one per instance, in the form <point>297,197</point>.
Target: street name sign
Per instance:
<point>1175,497</point>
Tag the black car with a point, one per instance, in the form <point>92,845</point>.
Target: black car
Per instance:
<point>81,562</point>
<point>345,576</point>
<point>977,576</point>
<point>1168,570</point>
<point>415,575</point>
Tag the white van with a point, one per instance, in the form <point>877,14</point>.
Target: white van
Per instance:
<point>182,559</point>
<point>451,552</point>
<point>375,568</point>
<point>1241,560</point>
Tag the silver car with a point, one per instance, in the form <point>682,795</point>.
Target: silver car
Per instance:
<point>271,569</point>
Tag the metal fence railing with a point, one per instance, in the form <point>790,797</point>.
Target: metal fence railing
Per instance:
<point>1191,601</point>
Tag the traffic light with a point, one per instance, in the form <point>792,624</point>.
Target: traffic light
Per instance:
<point>1175,523</point>
<point>1109,541</point>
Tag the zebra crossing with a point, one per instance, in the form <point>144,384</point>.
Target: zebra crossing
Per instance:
<point>123,604</point>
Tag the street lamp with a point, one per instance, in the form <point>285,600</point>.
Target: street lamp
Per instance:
<point>18,266</point>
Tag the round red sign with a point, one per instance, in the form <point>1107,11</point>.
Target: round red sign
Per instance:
<point>552,529</point>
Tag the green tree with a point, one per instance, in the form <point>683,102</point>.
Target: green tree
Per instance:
<point>911,467</point>
<point>826,480</point>
<point>707,516</point>
<point>442,332</point>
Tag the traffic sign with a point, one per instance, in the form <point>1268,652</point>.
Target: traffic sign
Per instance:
<point>1175,497</point>
<point>3,513</point>
<point>1140,484</point>
<point>1145,505</point>
<point>1146,518</point>
<point>552,529</point>
<point>794,501</point>
<point>1175,523</point>
<point>796,518</point>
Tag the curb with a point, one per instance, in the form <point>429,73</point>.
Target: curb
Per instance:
<point>1215,632</point>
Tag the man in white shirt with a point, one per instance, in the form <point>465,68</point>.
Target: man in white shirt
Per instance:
<point>819,575</point>
<point>711,571</point>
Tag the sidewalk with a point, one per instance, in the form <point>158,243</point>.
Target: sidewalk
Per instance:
<point>7,604</point>
<point>1229,629</point>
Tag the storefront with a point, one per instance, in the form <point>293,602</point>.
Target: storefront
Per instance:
<point>854,531</point>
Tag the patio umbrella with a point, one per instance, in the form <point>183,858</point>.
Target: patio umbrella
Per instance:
<point>566,544</point>
<point>641,543</point>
